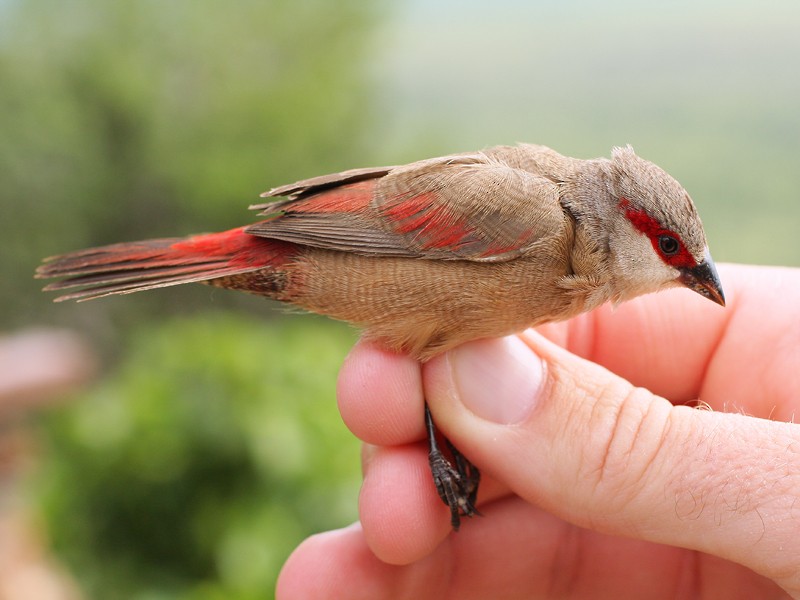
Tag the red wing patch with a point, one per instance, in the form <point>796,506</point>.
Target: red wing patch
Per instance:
<point>350,198</point>
<point>354,218</point>
<point>431,225</point>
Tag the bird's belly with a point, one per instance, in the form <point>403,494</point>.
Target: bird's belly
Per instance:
<point>425,307</point>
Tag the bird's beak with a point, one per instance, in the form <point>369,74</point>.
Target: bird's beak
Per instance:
<point>704,279</point>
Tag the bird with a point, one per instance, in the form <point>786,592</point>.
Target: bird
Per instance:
<point>426,256</point>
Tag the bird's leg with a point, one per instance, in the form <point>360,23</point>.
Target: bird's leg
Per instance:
<point>457,486</point>
<point>470,477</point>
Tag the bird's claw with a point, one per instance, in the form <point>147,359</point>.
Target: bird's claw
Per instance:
<point>457,485</point>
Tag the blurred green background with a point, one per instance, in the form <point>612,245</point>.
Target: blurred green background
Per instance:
<point>211,445</point>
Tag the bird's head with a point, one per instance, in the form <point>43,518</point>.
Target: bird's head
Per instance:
<point>656,239</point>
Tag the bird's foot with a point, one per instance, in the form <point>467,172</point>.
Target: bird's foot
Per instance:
<point>470,476</point>
<point>457,485</point>
<point>457,491</point>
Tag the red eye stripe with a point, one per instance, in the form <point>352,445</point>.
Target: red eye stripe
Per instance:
<point>653,230</point>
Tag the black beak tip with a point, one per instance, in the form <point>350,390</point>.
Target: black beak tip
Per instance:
<point>704,280</point>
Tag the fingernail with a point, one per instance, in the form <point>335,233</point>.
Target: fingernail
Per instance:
<point>498,380</point>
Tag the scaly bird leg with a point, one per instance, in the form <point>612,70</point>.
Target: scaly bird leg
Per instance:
<point>457,486</point>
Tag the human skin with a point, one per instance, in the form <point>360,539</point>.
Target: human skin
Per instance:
<point>593,488</point>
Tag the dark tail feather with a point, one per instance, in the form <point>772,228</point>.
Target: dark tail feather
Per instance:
<point>138,266</point>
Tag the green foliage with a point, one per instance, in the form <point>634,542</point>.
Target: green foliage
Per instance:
<point>196,467</point>
<point>140,118</point>
<point>213,446</point>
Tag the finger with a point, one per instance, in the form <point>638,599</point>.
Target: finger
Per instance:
<point>659,341</point>
<point>573,438</point>
<point>755,366</point>
<point>333,565</point>
<point>671,341</point>
<point>522,553</point>
<point>380,396</point>
<point>403,517</point>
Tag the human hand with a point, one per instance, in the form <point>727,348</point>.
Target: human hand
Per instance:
<point>592,487</point>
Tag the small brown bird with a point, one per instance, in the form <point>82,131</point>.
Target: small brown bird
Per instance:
<point>438,252</point>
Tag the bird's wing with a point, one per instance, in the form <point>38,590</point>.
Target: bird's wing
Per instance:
<point>461,207</point>
<point>315,185</point>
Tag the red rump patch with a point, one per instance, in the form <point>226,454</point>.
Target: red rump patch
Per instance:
<point>653,230</point>
<point>242,249</point>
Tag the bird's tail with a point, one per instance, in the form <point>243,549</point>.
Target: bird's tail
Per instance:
<point>137,266</point>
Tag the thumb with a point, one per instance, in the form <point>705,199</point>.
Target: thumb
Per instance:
<point>586,445</point>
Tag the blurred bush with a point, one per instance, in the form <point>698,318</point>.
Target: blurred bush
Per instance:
<point>213,446</point>
<point>139,118</point>
<point>196,467</point>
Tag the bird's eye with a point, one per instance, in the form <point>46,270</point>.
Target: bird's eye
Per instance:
<point>668,245</point>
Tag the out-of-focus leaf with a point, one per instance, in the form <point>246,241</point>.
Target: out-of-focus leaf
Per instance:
<point>204,459</point>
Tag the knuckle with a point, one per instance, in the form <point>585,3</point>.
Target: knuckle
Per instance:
<point>628,431</point>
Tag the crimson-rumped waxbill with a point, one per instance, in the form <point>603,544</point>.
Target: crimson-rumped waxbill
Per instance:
<point>432,254</point>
